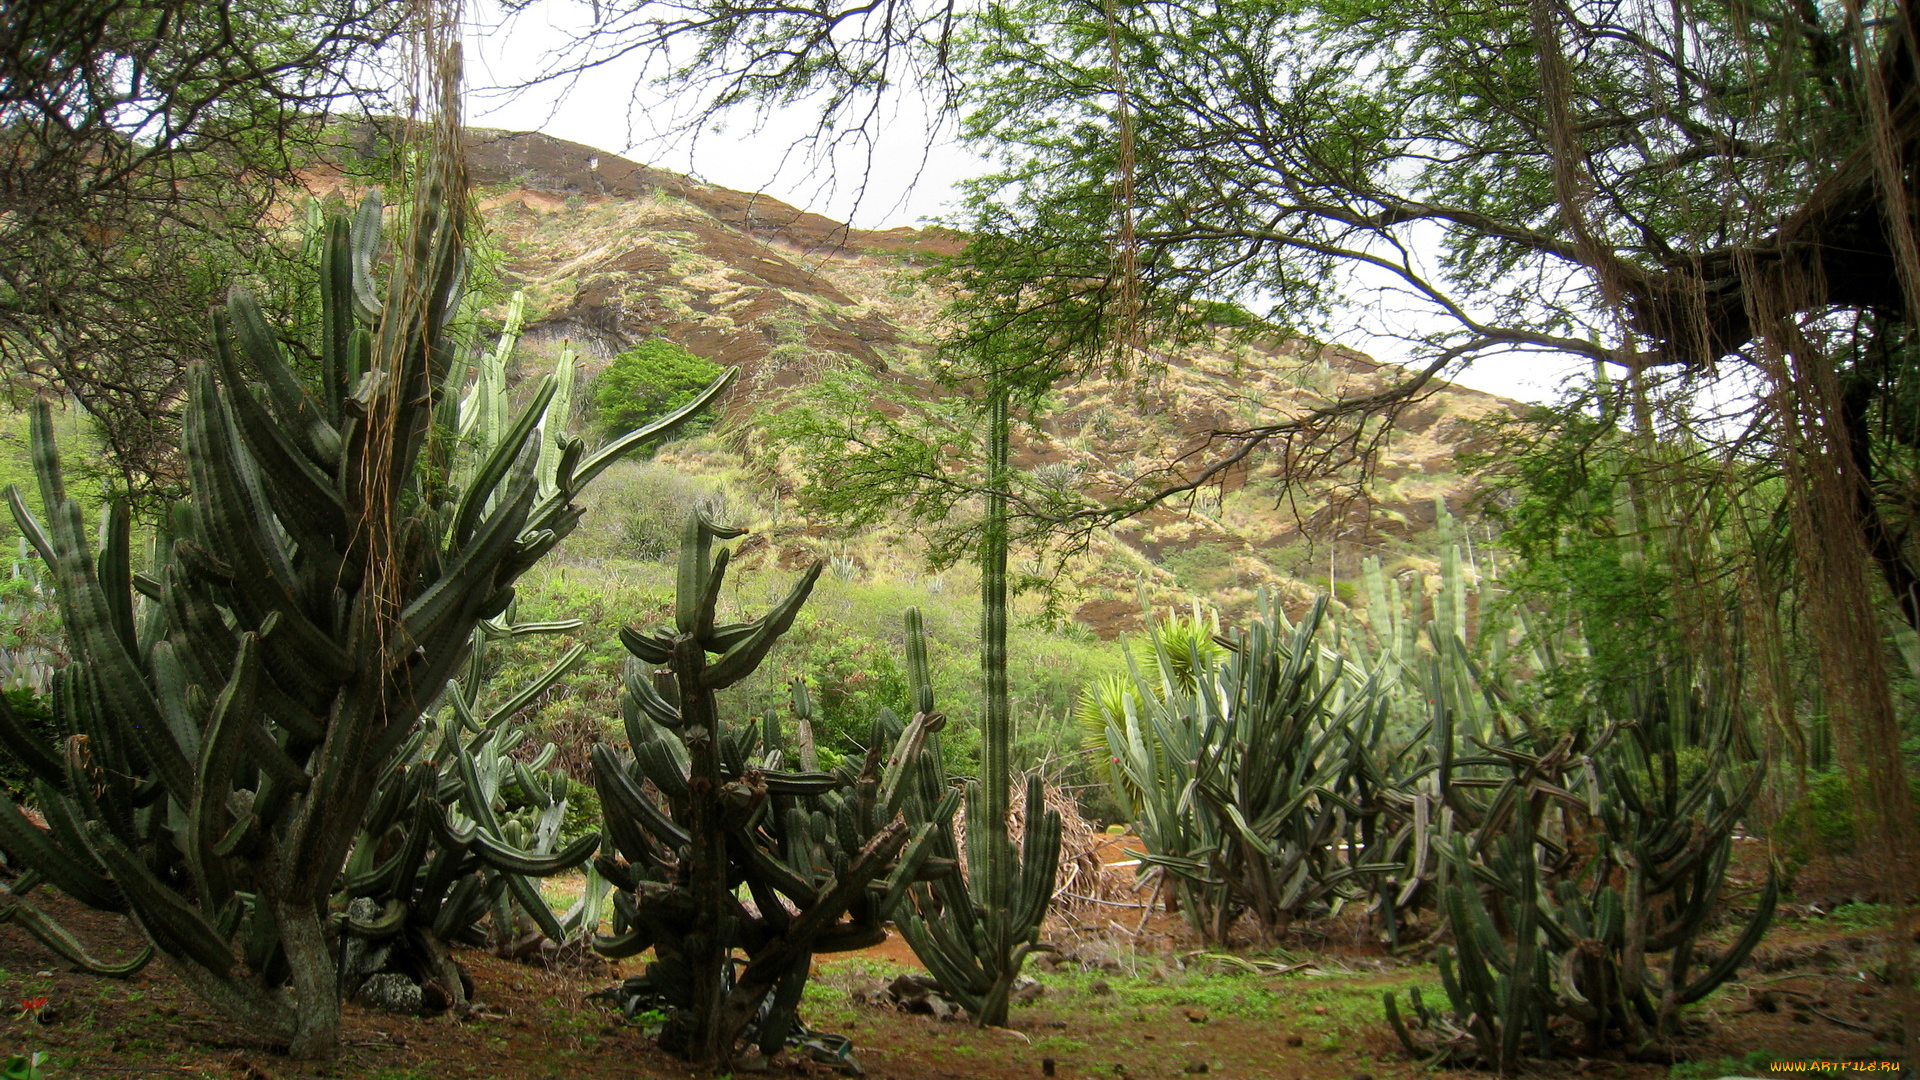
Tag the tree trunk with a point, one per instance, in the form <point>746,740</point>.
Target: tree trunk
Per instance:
<point>316,982</point>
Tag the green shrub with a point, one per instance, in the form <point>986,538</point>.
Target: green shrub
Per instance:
<point>1821,821</point>
<point>36,712</point>
<point>643,507</point>
<point>649,381</point>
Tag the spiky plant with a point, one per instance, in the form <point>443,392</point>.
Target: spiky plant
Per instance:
<point>975,931</point>
<point>824,857</point>
<point>227,733</point>
<point>1590,854</point>
<point>440,861</point>
<point>1247,778</point>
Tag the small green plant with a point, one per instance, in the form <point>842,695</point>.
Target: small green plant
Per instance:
<point>1754,1061</point>
<point>1859,916</point>
<point>23,1066</point>
<point>650,380</point>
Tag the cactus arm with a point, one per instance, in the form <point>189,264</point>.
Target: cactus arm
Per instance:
<point>310,497</point>
<point>61,941</point>
<point>130,704</point>
<point>605,456</point>
<point>114,571</point>
<point>474,501</point>
<point>553,423</point>
<point>173,925</point>
<point>316,438</point>
<point>697,568</point>
<point>510,860</point>
<point>631,805</point>
<point>71,874</point>
<point>741,660</point>
<point>527,694</point>
<point>874,857</point>
<point>477,564</point>
<point>30,526</point>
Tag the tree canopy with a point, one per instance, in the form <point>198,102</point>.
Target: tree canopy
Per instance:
<point>145,145</point>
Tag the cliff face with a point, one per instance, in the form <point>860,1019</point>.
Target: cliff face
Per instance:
<point>612,252</point>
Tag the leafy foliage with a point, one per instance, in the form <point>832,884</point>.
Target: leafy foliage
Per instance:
<point>651,380</point>
<point>146,145</point>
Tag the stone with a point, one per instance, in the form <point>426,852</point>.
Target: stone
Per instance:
<point>390,992</point>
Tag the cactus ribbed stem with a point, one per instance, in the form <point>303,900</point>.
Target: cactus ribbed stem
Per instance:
<point>997,732</point>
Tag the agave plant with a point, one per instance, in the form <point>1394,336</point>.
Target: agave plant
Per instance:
<point>231,711</point>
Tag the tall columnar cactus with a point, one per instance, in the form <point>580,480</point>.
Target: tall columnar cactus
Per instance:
<point>825,857</point>
<point>1572,861</point>
<point>232,710</point>
<point>974,933</point>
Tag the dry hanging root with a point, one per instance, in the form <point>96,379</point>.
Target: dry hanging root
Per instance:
<point>1087,892</point>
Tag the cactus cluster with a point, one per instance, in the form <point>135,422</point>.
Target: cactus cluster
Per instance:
<point>974,931</point>
<point>440,861</point>
<point>1251,767</point>
<point>1570,862</point>
<point>231,711</point>
<point>437,861</point>
<point>823,857</point>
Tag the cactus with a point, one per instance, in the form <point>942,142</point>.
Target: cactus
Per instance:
<point>1247,773</point>
<point>975,931</point>
<point>824,857</point>
<point>456,868</point>
<point>1585,860</point>
<point>232,710</point>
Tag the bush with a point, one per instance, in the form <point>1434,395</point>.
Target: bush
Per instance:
<point>1821,820</point>
<point>36,713</point>
<point>649,381</point>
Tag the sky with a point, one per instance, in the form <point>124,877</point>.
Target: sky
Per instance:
<point>908,177</point>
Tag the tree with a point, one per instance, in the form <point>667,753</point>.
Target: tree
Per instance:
<point>1704,196</point>
<point>146,143</point>
<point>650,380</point>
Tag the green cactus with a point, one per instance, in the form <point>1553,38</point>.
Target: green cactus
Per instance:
<point>467,874</point>
<point>825,857</point>
<point>975,931</point>
<point>1248,771</point>
<point>232,710</point>
<point>1588,854</point>
<point>457,868</point>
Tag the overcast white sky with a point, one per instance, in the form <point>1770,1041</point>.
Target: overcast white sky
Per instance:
<point>909,180</point>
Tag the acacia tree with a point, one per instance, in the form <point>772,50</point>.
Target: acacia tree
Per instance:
<point>145,145</point>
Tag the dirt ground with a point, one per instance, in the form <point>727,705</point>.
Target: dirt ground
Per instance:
<point>1102,1011</point>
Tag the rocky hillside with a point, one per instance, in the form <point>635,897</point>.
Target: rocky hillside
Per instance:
<point>611,252</point>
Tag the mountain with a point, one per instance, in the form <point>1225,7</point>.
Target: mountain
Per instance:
<point>611,252</point>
